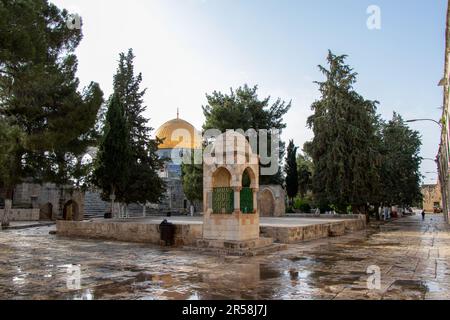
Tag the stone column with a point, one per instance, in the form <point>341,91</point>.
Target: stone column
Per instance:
<point>237,199</point>
<point>208,202</point>
<point>255,199</point>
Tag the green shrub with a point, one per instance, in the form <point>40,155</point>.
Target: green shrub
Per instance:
<point>302,205</point>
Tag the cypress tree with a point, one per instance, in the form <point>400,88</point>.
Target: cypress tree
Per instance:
<point>112,165</point>
<point>345,159</point>
<point>291,171</point>
<point>144,185</point>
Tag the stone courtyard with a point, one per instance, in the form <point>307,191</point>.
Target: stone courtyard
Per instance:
<point>413,256</point>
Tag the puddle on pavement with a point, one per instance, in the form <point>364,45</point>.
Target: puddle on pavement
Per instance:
<point>267,272</point>
<point>296,259</point>
<point>124,288</point>
<point>409,287</point>
<point>146,272</point>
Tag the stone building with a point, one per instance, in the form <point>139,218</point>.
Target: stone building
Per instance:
<point>180,140</point>
<point>444,147</point>
<point>32,202</point>
<point>432,197</point>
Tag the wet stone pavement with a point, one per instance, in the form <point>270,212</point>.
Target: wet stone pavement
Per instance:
<point>413,258</point>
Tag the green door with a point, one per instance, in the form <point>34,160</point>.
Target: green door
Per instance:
<point>247,200</point>
<point>223,200</point>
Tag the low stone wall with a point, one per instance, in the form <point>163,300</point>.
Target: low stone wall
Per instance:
<point>298,234</point>
<point>188,234</point>
<point>327,216</point>
<point>127,231</point>
<point>22,214</point>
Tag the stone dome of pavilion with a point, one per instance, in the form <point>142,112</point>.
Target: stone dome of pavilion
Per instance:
<point>179,134</point>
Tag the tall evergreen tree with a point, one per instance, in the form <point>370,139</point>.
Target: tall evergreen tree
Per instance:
<point>400,169</point>
<point>145,185</point>
<point>242,109</point>
<point>112,171</point>
<point>342,150</point>
<point>10,139</point>
<point>39,92</point>
<point>291,171</point>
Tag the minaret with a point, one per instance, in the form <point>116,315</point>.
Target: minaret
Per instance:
<point>178,113</point>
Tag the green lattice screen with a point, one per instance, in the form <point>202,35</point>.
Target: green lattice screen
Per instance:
<point>247,200</point>
<point>223,200</point>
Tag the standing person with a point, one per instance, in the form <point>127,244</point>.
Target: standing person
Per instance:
<point>423,215</point>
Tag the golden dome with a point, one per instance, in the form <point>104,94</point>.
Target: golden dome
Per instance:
<point>179,134</point>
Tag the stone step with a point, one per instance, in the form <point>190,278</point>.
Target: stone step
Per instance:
<point>248,252</point>
<point>248,248</point>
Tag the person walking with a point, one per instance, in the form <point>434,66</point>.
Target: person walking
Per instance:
<point>423,215</point>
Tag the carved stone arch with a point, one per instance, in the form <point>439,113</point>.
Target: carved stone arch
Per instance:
<point>267,203</point>
<point>251,175</point>
<point>222,177</point>
<point>71,211</point>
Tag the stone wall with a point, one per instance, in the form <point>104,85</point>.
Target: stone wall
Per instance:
<point>127,231</point>
<point>431,195</point>
<point>22,214</point>
<point>188,235</point>
<point>234,227</point>
<point>298,234</point>
<point>48,197</point>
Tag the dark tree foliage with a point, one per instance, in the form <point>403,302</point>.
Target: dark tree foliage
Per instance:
<point>291,171</point>
<point>400,170</point>
<point>192,177</point>
<point>305,173</point>
<point>145,185</point>
<point>242,109</point>
<point>343,151</point>
<point>39,92</point>
<point>112,166</point>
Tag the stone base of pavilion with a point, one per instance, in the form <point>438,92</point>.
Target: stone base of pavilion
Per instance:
<point>238,248</point>
<point>189,230</point>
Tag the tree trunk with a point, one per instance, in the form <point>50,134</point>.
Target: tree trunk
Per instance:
<point>377,213</point>
<point>7,210</point>
<point>6,213</point>
<point>113,197</point>
<point>367,213</point>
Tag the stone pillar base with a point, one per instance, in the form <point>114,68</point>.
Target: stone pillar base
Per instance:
<point>239,248</point>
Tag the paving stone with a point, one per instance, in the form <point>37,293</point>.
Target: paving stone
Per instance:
<point>413,257</point>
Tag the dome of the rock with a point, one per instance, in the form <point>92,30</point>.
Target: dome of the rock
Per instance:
<point>179,134</point>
